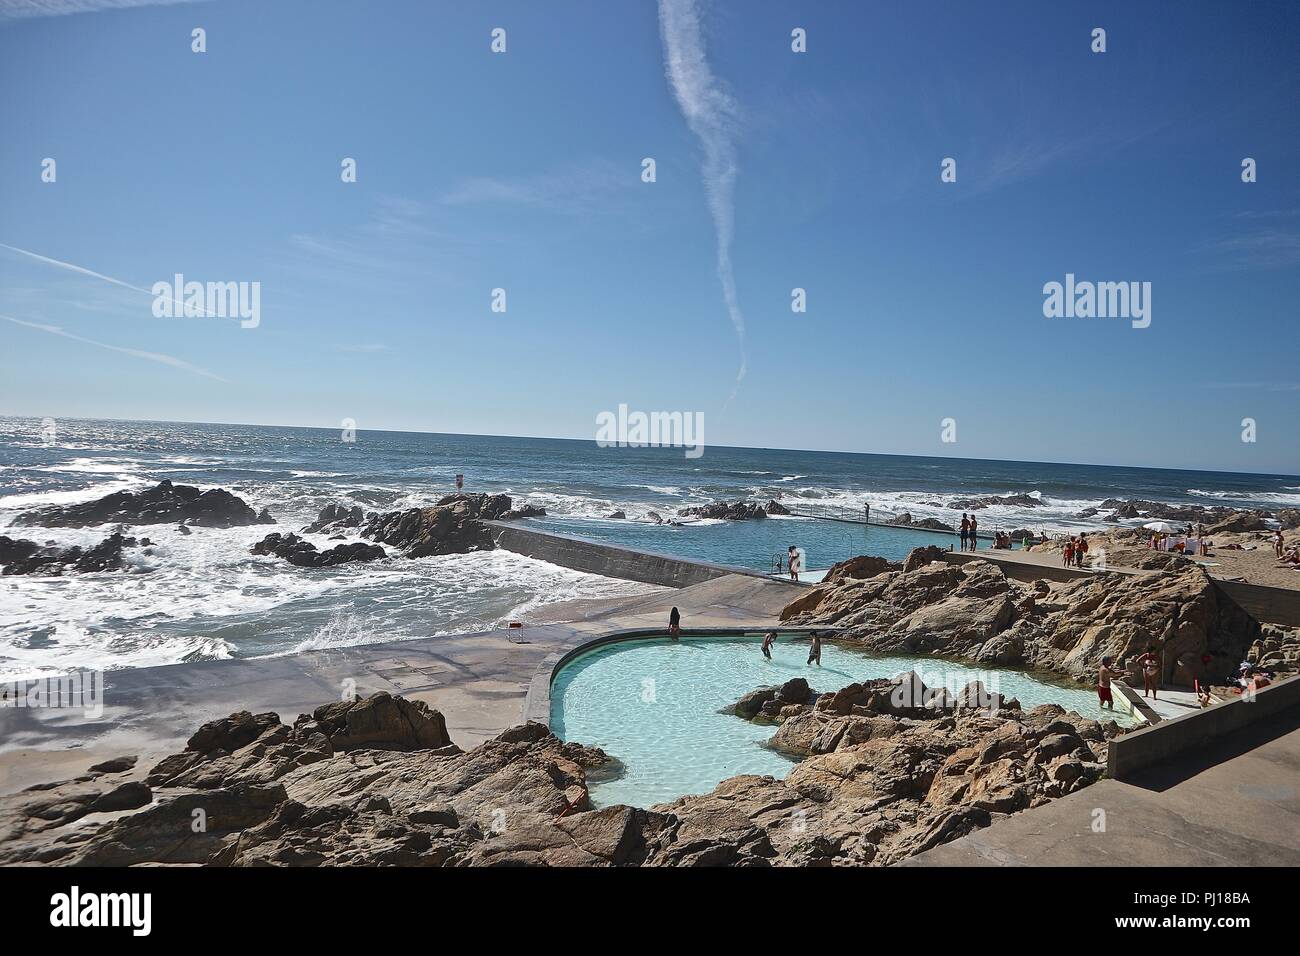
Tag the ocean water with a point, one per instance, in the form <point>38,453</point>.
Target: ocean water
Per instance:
<point>655,705</point>
<point>203,596</point>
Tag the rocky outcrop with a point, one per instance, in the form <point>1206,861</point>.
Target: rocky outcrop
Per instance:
<point>1239,521</point>
<point>527,511</point>
<point>863,566</point>
<point>974,611</point>
<point>979,502</point>
<point>453,526</point>
<point>336,517</point>
<point>304,554</point>
<point>376,782</point>
<point>769,704</point>
<point>735,511</point>
<point>905,520</point>
<point>164,503</point>
<point>876,788</point>
<point>20,556</point>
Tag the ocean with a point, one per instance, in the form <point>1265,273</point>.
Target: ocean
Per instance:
<point>203,596</point>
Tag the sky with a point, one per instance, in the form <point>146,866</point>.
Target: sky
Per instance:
<point>775,170</point>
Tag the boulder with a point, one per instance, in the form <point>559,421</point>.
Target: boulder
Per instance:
<point>21,556</point>
<point>453,526</point>
<point>304,554</point>
<point>164,503</point>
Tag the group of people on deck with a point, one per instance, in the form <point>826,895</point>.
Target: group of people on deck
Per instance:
<point>1075,550</point>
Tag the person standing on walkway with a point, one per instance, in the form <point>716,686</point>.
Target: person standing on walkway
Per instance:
<point>1150,664</point>
<point>965,530</point>
<point>1104,676</point>
<point>974,526</point>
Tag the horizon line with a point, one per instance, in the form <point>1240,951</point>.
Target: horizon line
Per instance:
<point>815,451</point>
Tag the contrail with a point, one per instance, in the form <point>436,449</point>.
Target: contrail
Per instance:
<point>72,267</point>
<point>710,113</point>
<point>137,353</point>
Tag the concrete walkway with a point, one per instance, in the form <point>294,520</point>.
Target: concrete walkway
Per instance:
<point>478,681</point>
<point>1234,803</point>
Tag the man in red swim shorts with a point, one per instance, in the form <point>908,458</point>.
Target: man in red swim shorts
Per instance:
<point>1104,676</point>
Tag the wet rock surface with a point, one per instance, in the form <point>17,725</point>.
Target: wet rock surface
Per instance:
<point>164,503</point>
<point>304,554</point>
<point>21,556</point>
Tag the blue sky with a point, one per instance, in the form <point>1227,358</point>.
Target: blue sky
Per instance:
<point>522,171</point>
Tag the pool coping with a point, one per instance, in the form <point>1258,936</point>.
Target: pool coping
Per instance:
<point>537,705</point>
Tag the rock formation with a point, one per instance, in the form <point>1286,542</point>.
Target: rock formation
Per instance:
<point>20,556</point>
<point>453,526</point>
<point>735,511</point>
<point>336,517</point>
<point>377,782</point>
<point>164,503</point>
<point>974,611</point>
<point>304,554</point>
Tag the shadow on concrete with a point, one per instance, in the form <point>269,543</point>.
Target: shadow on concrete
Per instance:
<point>1174,771</point>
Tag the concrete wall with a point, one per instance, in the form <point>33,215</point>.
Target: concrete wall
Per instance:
<point>607,559</point>
<point>1135,751</point>
<point>1017,571</point>
<point>1264,603</point>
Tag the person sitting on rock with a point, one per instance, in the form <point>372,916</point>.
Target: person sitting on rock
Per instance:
<point>815,652</point>
<point>768,640</point>
<point>1104,676</point>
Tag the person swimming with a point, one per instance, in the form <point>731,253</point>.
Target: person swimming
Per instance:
<point>768,640</point>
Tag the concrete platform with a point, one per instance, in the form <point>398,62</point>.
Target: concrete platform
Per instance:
<point>478,681</point>
<point>1236,802</point>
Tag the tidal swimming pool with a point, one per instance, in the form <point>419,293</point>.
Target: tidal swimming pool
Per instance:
<point>654,704</point>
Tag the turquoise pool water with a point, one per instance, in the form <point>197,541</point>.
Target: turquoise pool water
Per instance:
<point>655,705</point>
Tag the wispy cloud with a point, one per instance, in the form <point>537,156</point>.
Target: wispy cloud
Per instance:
<point>82,270</point>
<point>25,9</point>
<point>136,353</point>
<point>1264,247</point>
<point>581,187</point>
<point>710,113</point>
<point>1258,386</point>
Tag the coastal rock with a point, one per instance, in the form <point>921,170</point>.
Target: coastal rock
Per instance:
<point>973,611</point>
<point>525,511</point>
<point>905,520</point>
<point>863,566</point>
<point>379,721</point>
<point>453,526</point>
<point>336,517</point>
<point>1240,521</point>
<point>874,789</point>
<point>164,503</point>
<point>616,515</point>
<point>774,507</point>
<point>984,501</point>
<point>20,556</point>
<point>734,511</point>
<point>304,554</point>
<point>770,701</point>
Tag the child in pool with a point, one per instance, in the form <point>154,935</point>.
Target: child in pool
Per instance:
<point>768,640</point>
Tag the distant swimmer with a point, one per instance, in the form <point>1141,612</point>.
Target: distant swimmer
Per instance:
<point>768,640</point>
<point>674,623</point>
<point>815,652</point>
